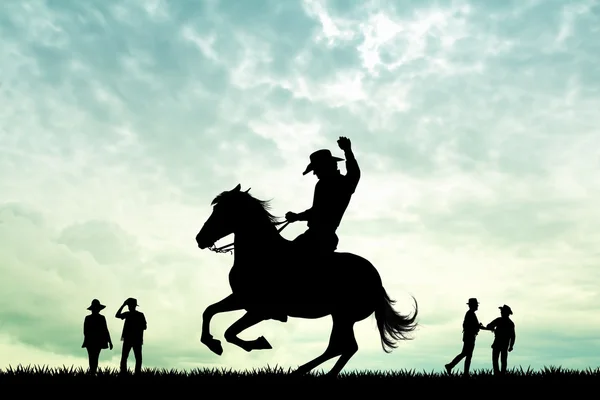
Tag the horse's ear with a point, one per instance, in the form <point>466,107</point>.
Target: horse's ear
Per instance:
<point>237,188</point>
<point>248,190</point>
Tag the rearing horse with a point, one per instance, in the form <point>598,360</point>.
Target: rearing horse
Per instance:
<point>270,277</point>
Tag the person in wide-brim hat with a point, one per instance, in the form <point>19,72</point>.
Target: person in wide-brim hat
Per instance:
<point>331,198</point>
<point>131,302</point>
<point>506,309</point>
<point>504,339</point>
<point>321,158</point>
<point>471,328</point>
<point>96,305</point>
<point>133,333</point>
<point>95,334</point>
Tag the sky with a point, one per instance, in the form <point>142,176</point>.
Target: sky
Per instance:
<point>475,125</point>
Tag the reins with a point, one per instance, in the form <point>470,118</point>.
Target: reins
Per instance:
<point>228,248</point>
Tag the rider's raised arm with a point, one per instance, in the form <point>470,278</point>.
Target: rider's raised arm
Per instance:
<point>353,171</point>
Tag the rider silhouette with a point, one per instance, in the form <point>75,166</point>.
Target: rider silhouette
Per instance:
<point>331,198</point>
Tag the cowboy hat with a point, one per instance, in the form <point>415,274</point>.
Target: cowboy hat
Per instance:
<point>96,305</point>
<point>506,308</point>
<point>318,158</point>
<point>132,301</point>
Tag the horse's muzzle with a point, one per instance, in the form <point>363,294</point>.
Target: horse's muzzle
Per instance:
<point>204,244</point>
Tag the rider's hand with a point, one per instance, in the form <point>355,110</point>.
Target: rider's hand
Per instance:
<point>110,345</point>
<point>291,217</point>
<point>344,143</point>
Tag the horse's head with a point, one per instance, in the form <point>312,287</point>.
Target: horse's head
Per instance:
<point>222,221</point>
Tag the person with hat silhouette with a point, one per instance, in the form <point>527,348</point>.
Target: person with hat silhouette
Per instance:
<point>133,334</point>
<point>471,327</point>
<point>95,335</point>
<point>331,198</point>
<point>504,338</point>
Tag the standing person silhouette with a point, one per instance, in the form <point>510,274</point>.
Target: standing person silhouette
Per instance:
<point>504,338</point>
<point>133,334</point>
<point>95,335</point>
<point>471,327</point>
<point>331,198</point>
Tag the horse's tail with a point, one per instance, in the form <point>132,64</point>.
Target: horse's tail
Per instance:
<point>392,325</point>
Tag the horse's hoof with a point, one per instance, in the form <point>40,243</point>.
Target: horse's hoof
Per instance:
<point>262,344</point>
<point>213,344</point>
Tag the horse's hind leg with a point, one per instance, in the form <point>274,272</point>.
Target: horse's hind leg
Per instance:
<point>348,346</point>
<point>249,319</point>
<point>229,303</point>
<point>334,349</point>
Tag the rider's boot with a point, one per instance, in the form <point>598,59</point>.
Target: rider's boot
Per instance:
<point>279,317</point>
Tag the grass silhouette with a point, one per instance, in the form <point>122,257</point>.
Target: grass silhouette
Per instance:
<point>544,380</point>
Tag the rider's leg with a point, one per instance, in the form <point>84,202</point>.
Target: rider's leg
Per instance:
<point>324,242</point>
<point>303,239</point>
<point>266,302</point>
<point>334,241</point>
<point>302,243</point>
<point>266,297</point>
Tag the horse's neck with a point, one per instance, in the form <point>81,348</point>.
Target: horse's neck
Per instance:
<point>254,241</point>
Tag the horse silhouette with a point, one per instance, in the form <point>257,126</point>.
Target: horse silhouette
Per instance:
<point>270,276</point>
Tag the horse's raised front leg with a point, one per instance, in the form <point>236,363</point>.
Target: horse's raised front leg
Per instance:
<point>229,303</point>
<point>249,319</point>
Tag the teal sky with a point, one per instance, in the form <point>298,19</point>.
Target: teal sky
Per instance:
<point>475,125</point>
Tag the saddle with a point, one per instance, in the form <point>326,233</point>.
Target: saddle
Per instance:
<point>301,254</point>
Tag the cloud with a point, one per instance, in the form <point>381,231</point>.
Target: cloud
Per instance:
<point>474,126</point>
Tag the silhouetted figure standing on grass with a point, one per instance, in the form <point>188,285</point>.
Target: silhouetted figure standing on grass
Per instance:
<point>133,334</point>
<point>471,327</point>
<point>95,335</point>
<point>331,198</point>
<point>504,338</point>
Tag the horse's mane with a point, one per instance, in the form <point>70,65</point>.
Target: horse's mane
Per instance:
<point>263,205</point>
